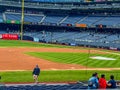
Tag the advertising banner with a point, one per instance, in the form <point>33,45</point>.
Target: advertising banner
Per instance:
<point>81,25</point>
<point>10,36</point>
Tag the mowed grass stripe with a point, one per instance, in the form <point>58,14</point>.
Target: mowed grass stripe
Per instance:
<point>74,58</point>
<point>55,76</point>
<point>19,43</point>
<point>63,59</point>
<point>78,58</point>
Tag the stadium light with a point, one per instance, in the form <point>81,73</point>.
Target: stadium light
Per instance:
<point>22,20</point>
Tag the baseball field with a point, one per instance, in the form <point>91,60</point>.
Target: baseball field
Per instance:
<point>58,63</point>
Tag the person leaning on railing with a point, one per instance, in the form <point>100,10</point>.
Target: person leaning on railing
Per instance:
<point>111,83</point>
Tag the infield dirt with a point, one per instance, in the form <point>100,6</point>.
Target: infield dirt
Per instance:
<point>14,58</point>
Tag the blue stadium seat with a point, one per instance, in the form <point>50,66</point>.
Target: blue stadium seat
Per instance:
<point>53,19</point>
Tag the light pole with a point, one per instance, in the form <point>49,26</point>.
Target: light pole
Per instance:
<point>22,20</point>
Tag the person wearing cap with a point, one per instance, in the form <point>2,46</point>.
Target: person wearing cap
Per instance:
<point>36,73</point>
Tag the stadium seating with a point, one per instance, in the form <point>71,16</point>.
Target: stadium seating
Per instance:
<point>33,18</point>
<point>1,17</point>
<point>2,32</point>
<point>74,37</point>
<point>13,16</point>
<point>53,19</point>
<point>27,18</point>
<point>109,21</point>
<point>78,38</point>
<point>90,21</point>
<point>72,19</point>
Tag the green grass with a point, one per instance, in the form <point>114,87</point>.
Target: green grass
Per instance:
<point>60,76</point>
<point>18,43</point>
<point>79,58</point>
<point>54,76</point>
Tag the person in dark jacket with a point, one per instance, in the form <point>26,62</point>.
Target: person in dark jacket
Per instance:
<point>112,83</point>
<point>36,73</point>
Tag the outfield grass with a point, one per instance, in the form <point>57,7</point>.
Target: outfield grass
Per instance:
<point>54,76</point>
<point>18,43</point>
<point>79,58</point>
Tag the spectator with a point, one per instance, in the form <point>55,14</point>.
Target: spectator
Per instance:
<point>102,82</point>
<point>112,82</point>
<point>93,82</point>
<point>36,73</point>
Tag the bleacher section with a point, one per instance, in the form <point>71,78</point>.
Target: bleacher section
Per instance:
<point>89,21</point>
<point>53,19</point>
<point>27,17</point>
<point>78,38</point>
<point>73,19</point>
<point>32,18</point>
<point>109,21</point>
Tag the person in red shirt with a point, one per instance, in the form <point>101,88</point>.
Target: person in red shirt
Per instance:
<point>102,82</point>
